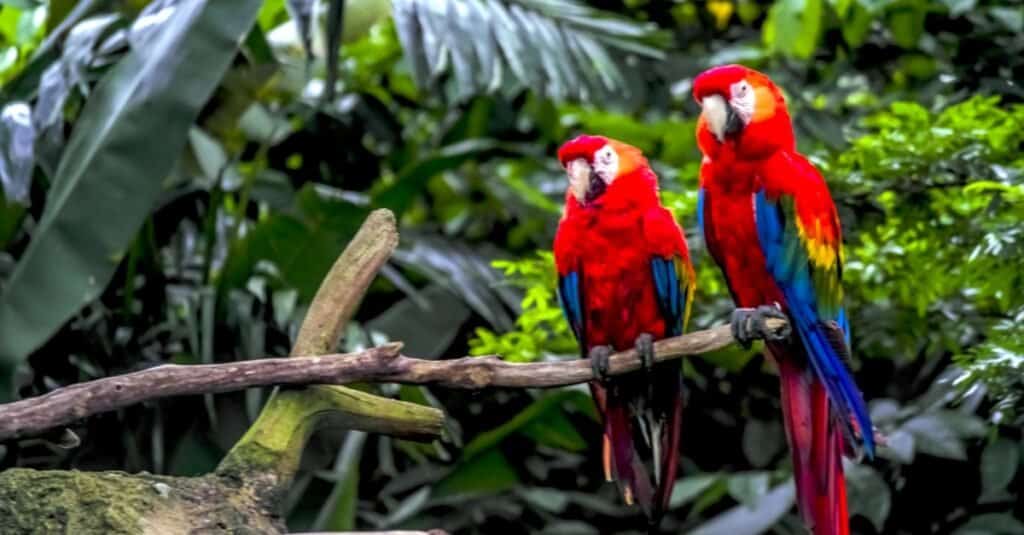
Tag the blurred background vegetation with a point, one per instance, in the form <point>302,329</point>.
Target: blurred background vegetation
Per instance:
<point>170,197</point>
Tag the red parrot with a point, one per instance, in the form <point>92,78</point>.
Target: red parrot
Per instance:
<point>625,280</point>
<point>770,224</point>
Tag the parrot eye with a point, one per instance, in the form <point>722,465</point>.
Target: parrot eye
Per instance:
<point>606,164</point>
<point>743,100</point>
<point>740,90</point>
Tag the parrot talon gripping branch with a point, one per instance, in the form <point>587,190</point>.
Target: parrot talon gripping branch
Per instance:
<point>645,348</point>
<point>749,324</point>
<point>599,360</point>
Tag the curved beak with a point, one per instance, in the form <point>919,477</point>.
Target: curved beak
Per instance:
<point>721,119</point>
<point>584,183</point>
<point>579,178</point>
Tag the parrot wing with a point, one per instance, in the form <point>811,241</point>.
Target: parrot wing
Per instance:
<point>800,237</point>
<point>570,297</point>
<point>674,280</point>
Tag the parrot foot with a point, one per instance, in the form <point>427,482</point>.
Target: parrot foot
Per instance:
<point>599,361</point>
<point>748,324</point>
<point>645,348</point>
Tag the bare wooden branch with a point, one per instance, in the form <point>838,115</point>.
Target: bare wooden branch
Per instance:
<point>380,364</point>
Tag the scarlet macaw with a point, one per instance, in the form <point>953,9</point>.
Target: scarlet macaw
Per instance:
<point>771,226</point>
<point>625,280</point>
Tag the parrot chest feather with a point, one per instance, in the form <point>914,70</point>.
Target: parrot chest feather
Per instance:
<point>620,298</point>
<point>730,232</point>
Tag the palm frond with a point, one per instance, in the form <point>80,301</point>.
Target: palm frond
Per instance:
<point>561,49</point>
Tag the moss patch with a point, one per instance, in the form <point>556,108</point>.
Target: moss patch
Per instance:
<point>59,501</point>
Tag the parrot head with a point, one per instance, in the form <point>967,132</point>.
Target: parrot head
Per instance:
<point>593,163</point>
<point>740,106</point>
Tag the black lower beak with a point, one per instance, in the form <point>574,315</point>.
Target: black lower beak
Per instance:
<point>733,123</point>
<point>596,189</point>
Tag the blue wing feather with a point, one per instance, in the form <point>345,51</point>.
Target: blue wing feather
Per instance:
<point>571,299</point>
<point>670,293</point>
<point>700,211</point>
<point>787,261</point>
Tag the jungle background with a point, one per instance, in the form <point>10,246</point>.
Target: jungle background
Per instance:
<point>204,240</point>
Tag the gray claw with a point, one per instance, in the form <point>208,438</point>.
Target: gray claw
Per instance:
<point>599,361</point>
<point>740,324</point>
<point>761,316</point>
<point>748,324</point>
<point>645,348</point>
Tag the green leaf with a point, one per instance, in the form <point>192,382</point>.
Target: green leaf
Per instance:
<point>559,49</point>
<point>553,500</point>
<point>549,402</point>
<point>959,7</point>
<point>999,464</point>
<point>991,524</point>
<point>689,488</point>
<point>301,247</point>
<point>748,488</point>
<point>570,527</point>
<point>906,21</point>
<point>111,171</point>
<point>11,215</point>
<point>856,24</point>
<point>744,520</point>
<point>426,323</point>
<point>338,512</point>
<point>934,436</point>
<point>412,179</point>
<point>869,494</point>
<point>1011,18</point>
<point>899,446</point>
<point>762,441</point>
<point>553,429</point>
<point>194,456</point>
<point>487,473</point>
<point>793,27</point>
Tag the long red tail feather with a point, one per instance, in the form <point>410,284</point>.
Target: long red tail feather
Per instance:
<point>625,448</point>
<point>816,443</point>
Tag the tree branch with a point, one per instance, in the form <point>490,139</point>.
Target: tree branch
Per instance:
<point>267,457</point>
<point>380,364</point>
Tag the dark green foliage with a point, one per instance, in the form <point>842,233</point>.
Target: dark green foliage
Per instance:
<point>911,109</point>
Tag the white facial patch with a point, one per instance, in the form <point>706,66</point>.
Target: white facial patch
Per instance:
<point>742,100</point>
<point>578,172</point>
<point>606,164</point>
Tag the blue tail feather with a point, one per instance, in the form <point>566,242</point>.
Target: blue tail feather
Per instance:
<point>838,383</point>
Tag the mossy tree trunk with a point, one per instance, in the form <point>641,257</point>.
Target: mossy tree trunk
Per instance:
<point>244,494</point>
